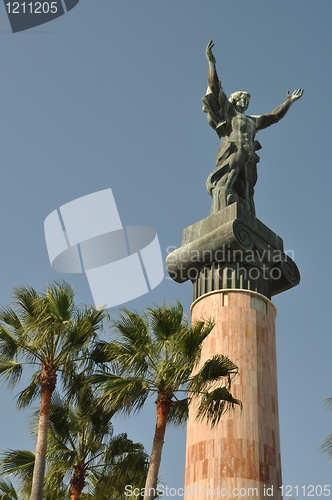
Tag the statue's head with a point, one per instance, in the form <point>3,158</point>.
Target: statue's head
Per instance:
<point>240,99</point>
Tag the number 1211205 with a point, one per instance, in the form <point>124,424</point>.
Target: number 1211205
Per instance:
<point>306,491</point>
<point>32,7</point>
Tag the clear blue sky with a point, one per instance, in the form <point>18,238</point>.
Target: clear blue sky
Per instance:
<point>109,95</point>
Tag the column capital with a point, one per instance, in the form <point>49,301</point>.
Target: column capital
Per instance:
<point>233,249</point>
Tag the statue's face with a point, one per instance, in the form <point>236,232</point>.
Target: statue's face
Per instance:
<point>242,102</point>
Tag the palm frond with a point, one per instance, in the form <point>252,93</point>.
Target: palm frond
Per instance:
<point>133,327</point>
<point>59,419</point>
<point>328,403</point>
<point>11,372</point>
<point>326,447</point>
<point>30,393</point>
<point>91,316</point>
<point>98,354</point>
<point>214,404</point>
<point>7,490</point>
<point>119,446</point>
<point>119,393</point>
<point>179,411</point>
<point>9,317</point>
<point>215,368</point>
<point>126,356</point>
<point>20,463</point>
<point>8,343</point>
<point>171,376</point>
<point>25,303</point>
<point>165,322</point>
<point>82,330</point>
<point>60,300</point>
<point>79,390</point>
<point>192,339</point>
<point>56,481</point>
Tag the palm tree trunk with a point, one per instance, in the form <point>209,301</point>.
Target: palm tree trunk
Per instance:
<point>77,482</point>
<point>163,409</point>
<point>47,380</point>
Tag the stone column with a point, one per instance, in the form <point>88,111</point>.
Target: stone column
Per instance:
<point>236,264</point>
<point>241,455</point>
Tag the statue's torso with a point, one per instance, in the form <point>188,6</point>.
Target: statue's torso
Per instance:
<point>243,130</point>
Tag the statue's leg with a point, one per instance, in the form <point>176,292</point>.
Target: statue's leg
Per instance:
<point>251,179</point>
<point>232,177</point>
<point>236,161</point>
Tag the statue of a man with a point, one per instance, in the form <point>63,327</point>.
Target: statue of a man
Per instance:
<point>236,172</point>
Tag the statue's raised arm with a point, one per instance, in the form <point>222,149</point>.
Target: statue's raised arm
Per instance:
<point>213,79</point>
<point>215,101</point>
<point>279,112</point>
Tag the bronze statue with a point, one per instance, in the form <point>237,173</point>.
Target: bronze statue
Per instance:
<point>236,162</point>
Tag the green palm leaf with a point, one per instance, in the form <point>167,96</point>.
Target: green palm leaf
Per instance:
<point>179,412</point>
<point>19,463</point>
<point>7,490</point>
<point>214,369</point>
<point>30,393</point>
<point>326,447</point>
<point>214,404</point>
<point>119,393</point>
<point>8,343</point>
<point>11,372</point>
<point>192,339</point>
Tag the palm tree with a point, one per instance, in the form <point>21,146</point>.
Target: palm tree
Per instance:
<point>158,353</point>
<point>49,333</point>
<point>82,455</point>
<point>82,447</point>
<point>327,445</point>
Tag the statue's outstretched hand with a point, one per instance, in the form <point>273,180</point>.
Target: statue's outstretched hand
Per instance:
<point>295,95</point>
<point>208,52</point>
